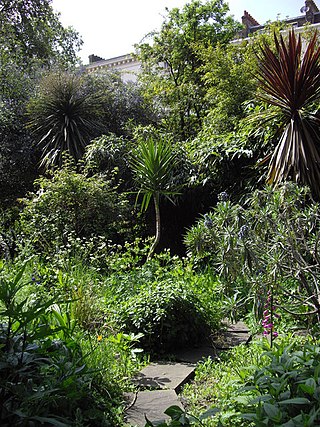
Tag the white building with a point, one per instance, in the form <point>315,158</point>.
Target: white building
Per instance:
<point>127,66</point>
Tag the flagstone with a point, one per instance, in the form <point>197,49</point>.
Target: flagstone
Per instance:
<point>165,375</point>
<point>151,404</point>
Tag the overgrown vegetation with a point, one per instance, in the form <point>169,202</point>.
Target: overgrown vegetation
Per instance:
<point>91,288</point>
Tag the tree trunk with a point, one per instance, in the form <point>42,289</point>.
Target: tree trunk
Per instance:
<point>158,226</point>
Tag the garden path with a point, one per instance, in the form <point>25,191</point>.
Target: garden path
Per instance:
<point>159,383</point>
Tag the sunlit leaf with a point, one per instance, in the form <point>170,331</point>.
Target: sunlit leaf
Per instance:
<point>290,80</point>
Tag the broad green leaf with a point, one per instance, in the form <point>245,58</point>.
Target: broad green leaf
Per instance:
<point>209,413</point>
<point>174,412</point>
<point>295,401</point>
<point>272,411</point>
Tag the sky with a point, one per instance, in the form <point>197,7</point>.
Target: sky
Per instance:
<point>110,28</point>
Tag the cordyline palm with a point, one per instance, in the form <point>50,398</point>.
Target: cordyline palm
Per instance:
<point>291,82</point>
<point>153,163</point>
<point>63,117</point>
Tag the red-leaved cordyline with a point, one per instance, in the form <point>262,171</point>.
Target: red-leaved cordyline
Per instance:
<point>269,315</point>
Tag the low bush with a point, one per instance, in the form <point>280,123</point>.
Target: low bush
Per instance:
<point>168,315</point>
<point>287,389</point>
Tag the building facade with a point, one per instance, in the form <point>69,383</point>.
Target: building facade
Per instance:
<point>126,65</point>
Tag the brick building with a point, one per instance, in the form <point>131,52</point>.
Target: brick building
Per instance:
<point>309,14</point>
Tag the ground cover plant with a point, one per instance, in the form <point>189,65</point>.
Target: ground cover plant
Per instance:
<point>61,363</point>
<point>44,376</point>
<point>259,385</point>
<point>68,321</point>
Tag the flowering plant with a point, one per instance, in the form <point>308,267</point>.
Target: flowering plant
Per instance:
<point>269,317</point>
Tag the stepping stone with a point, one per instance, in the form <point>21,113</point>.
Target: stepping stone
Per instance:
<point>152,404</point>
<point>238,327</point>
<point>164,375</point>
<point>229,339</point>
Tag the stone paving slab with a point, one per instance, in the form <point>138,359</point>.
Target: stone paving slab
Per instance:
<point>231,339</point>
<point>238,327</point>
<point>164,375</point>
<point>152,404</point>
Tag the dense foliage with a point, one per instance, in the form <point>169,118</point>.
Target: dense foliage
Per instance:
<point>172,65</point>
<point>32,38</point>
<point>87,297</point>
<point>31,31</point>
<point>259,385</point>
<point>44,374</point>
<point>268,243</point>
<point>69,206</point>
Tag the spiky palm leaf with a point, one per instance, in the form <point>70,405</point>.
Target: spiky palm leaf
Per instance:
<point>63,117</point>
<point>153,163</point>
<point>290,80</point>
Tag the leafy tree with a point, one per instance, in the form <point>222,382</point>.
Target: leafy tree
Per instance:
<point>229,81</point>
<point>224,150</point>
<point>108,156</point>
<point>123,103</point>
<point>153,163</point>
<point>17,158</point>
<point>106,153</point>
<point>172,65</point>
<point>239,128</point>
<point>30,30</point>
<point>31,39</point>
<point>18,165</point>
<point>290,80</point>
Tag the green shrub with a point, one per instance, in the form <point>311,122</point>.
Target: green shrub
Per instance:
<point>168,316</point>
<point>162,298</point>
<point>267,243</point>
<point>108,155</point>
<point>254,385</point>
<point>287,388</point>
<point>71,206</point>
<point>242,379</point>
